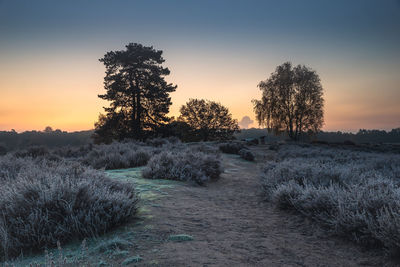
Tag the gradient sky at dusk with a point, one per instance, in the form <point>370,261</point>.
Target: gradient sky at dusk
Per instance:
<point>216,49</point>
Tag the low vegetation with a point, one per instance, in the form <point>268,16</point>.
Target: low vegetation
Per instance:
<point>117,156</point>
<point>231,147</point>
<point>52,196</point>
<point>351,194</point>
<point>246,154</point>
<point>184,165</point>
<point>237,148</point>
<point>44,202</point>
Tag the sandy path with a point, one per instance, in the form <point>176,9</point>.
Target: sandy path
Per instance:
<point>233,226</point>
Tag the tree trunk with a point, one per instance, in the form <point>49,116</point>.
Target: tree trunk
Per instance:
<point>138,114</point>
<point>136,131</point>
<point>291,130</point>
<point>133,122</point>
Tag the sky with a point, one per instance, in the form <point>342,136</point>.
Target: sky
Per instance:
<point>216,49</point>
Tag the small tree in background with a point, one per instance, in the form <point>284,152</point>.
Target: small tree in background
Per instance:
<point>179,129</point>
<point>48,129</point>
<point>291,101</point>
<point>208,120</point>
<point>135,84</point>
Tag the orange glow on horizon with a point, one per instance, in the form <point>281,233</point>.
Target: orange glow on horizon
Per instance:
<point>60,93</point>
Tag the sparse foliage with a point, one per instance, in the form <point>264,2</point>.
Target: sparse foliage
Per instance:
<point>208,120</point>
<point>292,101</point>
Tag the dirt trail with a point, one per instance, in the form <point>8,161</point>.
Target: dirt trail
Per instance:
<point>233,226</point>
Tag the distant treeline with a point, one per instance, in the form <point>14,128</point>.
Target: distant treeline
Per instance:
<point>362,136</point>
<point>11,140</point>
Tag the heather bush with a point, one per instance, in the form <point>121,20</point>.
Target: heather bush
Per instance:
<point>43,202</point>
<point>159,142</point>
<point>73,151</point>
<point>33,152</point>
<point>231,147</point>
<point>252,142</point>
<point>183,165</point>
<point>238,149</point>
<point>246,154</point>
<point>118,156</point>
<point>208,148</point>
<point>351,194</point>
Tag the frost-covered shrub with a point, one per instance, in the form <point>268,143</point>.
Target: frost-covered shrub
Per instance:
<point>386,228</point>
<point>33,152</point>
<point>183,165</point>
<point>246,154</point>
<point>42,202</point>
<point>231,147</point>
<point>38,153</point>
<point>158,142</point>
<point>117,156</point>
<point>252,142</point>
<point>208,148</point>
<point>352,194</point>
<point>73,151</point>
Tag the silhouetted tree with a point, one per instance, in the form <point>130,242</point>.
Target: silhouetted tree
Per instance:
<point>179,129</point>
<point>291,101</point>
<point>48,129</point>
<point>15,141</point>
<point>209,120</point>
<point>139,95</point>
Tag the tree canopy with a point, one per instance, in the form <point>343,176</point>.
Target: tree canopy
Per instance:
<point>208,120</point>
<point>292,101</point>
<point>139,95</point>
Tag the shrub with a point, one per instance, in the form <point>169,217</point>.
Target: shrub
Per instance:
<point>184,165</point>
<point>117,156</point>
<point>159,142</point>
<point>205,148</point>
<point>252,142</point>
<point>231,148</point>
<point>73,152</point>
<point>44,202</point>
<point>352,194</point>
<point>33,152</point>
<point>246,154</point>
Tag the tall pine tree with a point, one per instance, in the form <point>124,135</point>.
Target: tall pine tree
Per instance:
<point>135,84</point>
